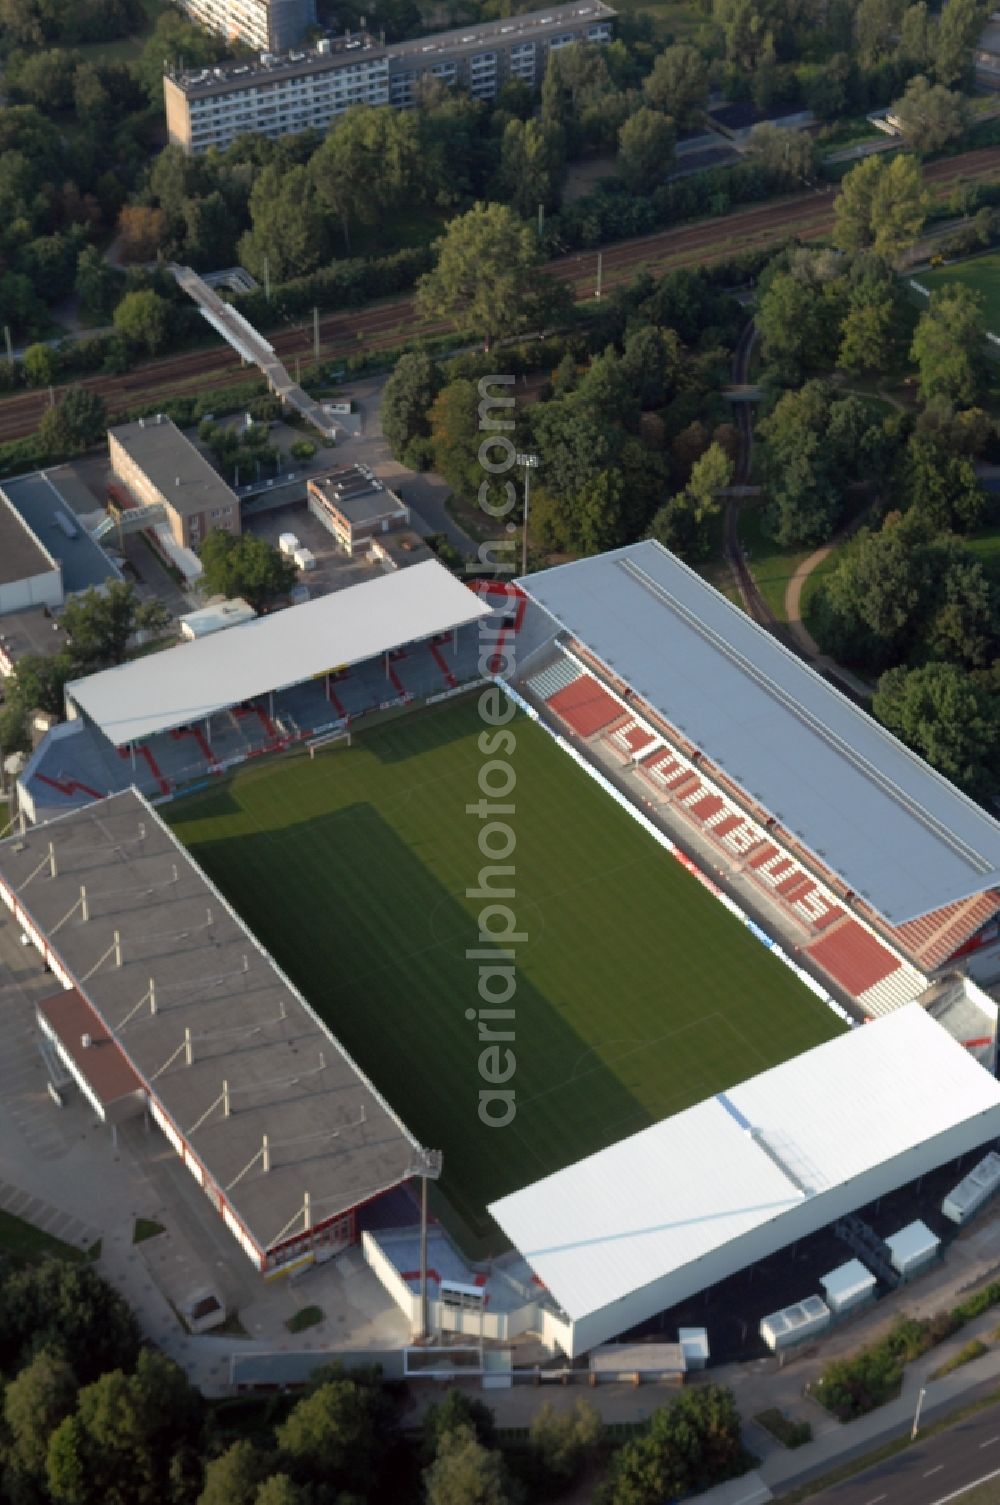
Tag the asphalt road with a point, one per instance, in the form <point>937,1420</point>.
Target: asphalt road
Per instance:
<point>931,1472</point>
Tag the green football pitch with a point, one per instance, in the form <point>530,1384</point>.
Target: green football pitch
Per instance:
<point>636,993</point>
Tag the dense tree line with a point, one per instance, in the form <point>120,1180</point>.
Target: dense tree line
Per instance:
<point>90,1416</point>
<point>631,423</point>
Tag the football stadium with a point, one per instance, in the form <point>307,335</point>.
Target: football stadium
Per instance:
<point>574,887</point>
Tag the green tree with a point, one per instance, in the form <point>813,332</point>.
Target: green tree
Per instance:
<point>99,624</point>
<point>35,1401</point>
<point>881,205</point>
<point>245,566</point>
<point>867,335</point>
<point>280,1489</point>
<point>119,1447</point>
<point>791,154</point>
<point>645,149</point>
<point>458,1411</point>
<point>797,327</point>
<point>930,115</point>
<point>69,1310</point>
<point>288,228</point>
<point>948,345</point>
<point>98,285</point>
<point>337,1434</point>
<point>563,1442</point>
<point>143,316</point>
<point>940,712</point>
<point>691,1445</point>
<point>41,365</point>
<point>406,400</point>
<point>678,85</point>
<point>959,26</point>
<point>532,165</point>
<point>235,1476</point>
<point>78,420</point>
<point>173,38</point>
<point>466,1473</point>
<point>942,486</point>
<point>486,275</point>
<point>916,36</point>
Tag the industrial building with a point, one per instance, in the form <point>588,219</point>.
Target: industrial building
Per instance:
<point>172,1008</point>
<point>878,873</point>
<point>160,467</point>
<point>265,25</point>
<point>354,506</point>
<point>641,1226</point>
<point>46,550</point>
<point>282,95</point>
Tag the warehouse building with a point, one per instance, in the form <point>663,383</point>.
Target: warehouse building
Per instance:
<point>282,95</point>
<point>173,1008</point>
<point>639,1227</point>
<point>160,467</point>
<point>265,25</point>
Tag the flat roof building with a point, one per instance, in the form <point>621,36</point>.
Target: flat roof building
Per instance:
<point>274,1120</point>
<point>45,501</point>
<point>29,575</point>
<point>353,505</point>
<point>649,1222</point>
<point>306,90</point>
<point>35,632</point>
<point>161,467</point>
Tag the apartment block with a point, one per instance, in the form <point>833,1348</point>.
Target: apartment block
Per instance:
<point>159,466</point>
<point>301,91</point>
<point>268,25</point>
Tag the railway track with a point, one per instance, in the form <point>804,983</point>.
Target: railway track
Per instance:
<point>384,326</point>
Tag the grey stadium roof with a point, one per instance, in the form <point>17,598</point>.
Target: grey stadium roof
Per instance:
<point>897,833</point>
<point>195,680</point>
<point>330,1132</point>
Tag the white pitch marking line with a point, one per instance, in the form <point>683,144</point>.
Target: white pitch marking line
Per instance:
<point>957,1493</point>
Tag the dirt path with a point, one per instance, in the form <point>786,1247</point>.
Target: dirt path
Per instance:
<point>804,639</point>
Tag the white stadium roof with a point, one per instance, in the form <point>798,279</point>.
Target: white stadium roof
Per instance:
<point>899,835</point>
<point>670,1196</point>
<point>195,680</point>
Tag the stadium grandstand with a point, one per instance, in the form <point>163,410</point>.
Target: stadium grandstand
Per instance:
<point>875,870</point>
<point>171,1007</point>
<point>635,1230</point>
<point>168,720</point>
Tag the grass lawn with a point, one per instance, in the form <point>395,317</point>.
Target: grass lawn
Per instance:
<point>981,273</point>
<point>145,1228</point>
<point>125,49</point>
<point>306,1316</point>
<point>771,565</point>
<point>28,1244</point>
<point>637,994</point>
<point>986,547</point>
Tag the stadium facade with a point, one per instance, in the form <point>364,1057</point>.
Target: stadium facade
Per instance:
<point>876,879</point>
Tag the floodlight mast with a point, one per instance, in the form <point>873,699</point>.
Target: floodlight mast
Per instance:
<point>528,463</point>
<point>427,1166</point>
